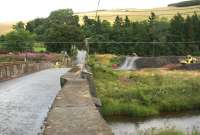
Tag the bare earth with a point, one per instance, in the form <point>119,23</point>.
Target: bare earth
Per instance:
<point>74,112</point>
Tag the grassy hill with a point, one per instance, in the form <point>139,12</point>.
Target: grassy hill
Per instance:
<point>142,14</point>
<point>134,14</point>
<point>186,3</point>
<point>5,27</point>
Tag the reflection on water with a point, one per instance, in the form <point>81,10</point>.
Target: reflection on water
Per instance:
<point>126,126</point>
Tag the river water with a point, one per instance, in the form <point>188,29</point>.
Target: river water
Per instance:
<point>182,122</point>
<point>129,63</point>
<point>25,101</point>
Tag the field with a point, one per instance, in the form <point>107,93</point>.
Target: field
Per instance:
<point>164,13</point>
<point>5,27</point>
<point>147,92</point>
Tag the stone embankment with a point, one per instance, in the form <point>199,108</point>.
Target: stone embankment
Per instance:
<point>74,111</point>
<point>16,69</point>
<point>159,62</point>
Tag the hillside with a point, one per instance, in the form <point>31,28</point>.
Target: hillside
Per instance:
<point>186,3</point>
<point>142,14</point>
<point>165,13</point>
<point>5,27</point>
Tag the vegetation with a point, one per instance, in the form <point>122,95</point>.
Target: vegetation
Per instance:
<point>19,39</point>
<point>153,37</point>
<point>186,3</point>
<point>39,47</point>
<point>164,13</point>
<point>174,132</point>
<point>147,92</point>
<point>148,38</point>
<point>60,27</point>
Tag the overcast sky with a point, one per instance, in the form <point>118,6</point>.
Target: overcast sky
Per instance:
<point>14,10</point>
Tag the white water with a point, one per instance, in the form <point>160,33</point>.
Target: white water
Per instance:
<point>129,63</point>
<point>81,57</point>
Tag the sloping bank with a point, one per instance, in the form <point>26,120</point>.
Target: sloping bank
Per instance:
<point>146,92</point>
<point>74,111</point>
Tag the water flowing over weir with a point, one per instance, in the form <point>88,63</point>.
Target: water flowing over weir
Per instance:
<point>129,63</point>
<point>81,57</point>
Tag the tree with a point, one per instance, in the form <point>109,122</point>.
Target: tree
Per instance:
<point>33,25</point>
<point>117,29</point>
<point>127,22</point>
<point>2,38</point>
<point>63,16</point>
<point>20,40</point>
<point>60,26</point>
<point>152,27</point>
<point>89,26</point>
<point>176,34</point>
<point>63,33</point>
<point>19,26</point>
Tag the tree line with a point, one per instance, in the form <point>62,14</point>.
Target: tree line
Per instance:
<point>61,30</point>
<point>186,3</point>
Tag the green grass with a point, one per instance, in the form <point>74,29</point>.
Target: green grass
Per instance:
<point>147,92</point>
<point>39,49</point>
<point>169,132</point>
<point>174,132</point>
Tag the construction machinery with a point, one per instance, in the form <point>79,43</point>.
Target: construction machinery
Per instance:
<point>188,60</point>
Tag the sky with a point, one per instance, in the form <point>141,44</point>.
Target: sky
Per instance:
<point>15,10</point>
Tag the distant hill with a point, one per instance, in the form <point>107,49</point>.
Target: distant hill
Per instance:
<point>164,13</point>
<point>6,27</point>
<point>186,3</point>
<point>142,14</point>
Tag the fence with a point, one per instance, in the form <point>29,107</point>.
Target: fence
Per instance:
<point>123,48</point>
<point>12,70</point>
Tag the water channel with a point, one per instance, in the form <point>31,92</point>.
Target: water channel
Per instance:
<point>185,123</point>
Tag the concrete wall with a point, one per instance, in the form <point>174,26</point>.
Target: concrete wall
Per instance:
<point>156,62</point>
<point>12,70</point>
<point>74,111</point>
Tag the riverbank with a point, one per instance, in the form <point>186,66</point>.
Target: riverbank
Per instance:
<point>147,92</point>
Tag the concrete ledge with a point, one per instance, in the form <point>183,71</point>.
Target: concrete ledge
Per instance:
<point>74,111</point>
<point>190,67</point>
<point>156,62</point>
<point>13,70</point>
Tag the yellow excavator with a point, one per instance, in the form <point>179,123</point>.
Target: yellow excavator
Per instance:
<point>188,60</point>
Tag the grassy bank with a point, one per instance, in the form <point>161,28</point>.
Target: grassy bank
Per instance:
<point>174,132</point>
<point>164,13</point>
<point>146,92</point>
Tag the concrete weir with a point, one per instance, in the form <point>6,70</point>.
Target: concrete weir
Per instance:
<point>74,111</point>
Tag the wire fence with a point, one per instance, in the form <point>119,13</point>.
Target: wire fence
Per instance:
<point>125,48</point>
